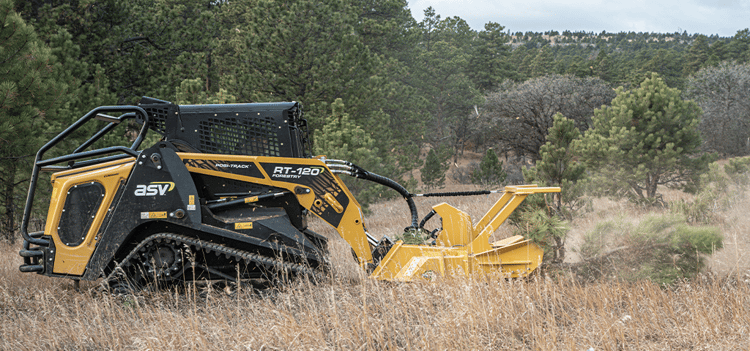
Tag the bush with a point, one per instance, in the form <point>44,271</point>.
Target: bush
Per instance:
<point>717,190</point>
<point>547,231</point>
<point>737,169</point>
<point>462,175</point>
<point>515,175</point>
<point>663,249</point>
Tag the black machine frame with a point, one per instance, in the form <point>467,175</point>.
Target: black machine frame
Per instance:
<point>267,129</point>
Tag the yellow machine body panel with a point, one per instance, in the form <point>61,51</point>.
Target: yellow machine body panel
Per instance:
<point>463,249</point>
<point>207,164</point>
<point>73,255</point>
<point>318,197</point>
<point>457,227</point>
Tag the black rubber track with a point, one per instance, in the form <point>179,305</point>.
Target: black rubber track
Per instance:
<point>270,264</point>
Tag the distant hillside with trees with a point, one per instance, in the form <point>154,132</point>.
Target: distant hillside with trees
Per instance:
<point>367,66</point>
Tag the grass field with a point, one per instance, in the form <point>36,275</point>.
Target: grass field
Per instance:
<point>351,312</point>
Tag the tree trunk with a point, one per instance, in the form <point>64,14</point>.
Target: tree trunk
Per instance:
<point>559,250</point>
<point>653,181</point>
<point>9,217</point>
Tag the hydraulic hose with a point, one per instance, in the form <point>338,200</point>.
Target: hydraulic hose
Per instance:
<point>426,218</point>
<point>348,168</point>
<point>401,190</point>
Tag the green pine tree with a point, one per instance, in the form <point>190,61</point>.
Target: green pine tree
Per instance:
<point>146,47</point>
<point>490,171</point>
<point>298,50</point>
<point>489,64</point>
<point>342,139</point>
<point>537,217</point>
<point>542,63</point>
<point>739,47</point>
<point>30,97</point>
<point>603,66</point>
<point>520,58</point>
<point>440,75</point>
<point>697,55</point>
<point>433,172</point>
<point>87,87</point>
<point>559,166</point>
<point>646,138</point>
<point>193,91</point>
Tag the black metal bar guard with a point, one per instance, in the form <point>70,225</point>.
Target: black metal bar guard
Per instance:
<point>130,112</point>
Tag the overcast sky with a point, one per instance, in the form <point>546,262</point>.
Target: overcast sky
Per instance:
<point>722,17</point>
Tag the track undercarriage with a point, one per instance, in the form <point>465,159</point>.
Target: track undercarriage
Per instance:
<point>166,259</point>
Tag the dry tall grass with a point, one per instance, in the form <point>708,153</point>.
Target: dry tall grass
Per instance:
<point>352,312</point>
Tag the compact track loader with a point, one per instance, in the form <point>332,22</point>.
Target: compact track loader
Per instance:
<point>224,196</point>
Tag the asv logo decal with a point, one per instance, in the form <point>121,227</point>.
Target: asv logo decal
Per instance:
<point>154,188</point>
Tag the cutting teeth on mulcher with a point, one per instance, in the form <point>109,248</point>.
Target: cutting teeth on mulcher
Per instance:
<point>165,259</point>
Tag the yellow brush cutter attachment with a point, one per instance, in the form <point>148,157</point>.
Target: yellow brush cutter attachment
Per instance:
<point>463,248</point>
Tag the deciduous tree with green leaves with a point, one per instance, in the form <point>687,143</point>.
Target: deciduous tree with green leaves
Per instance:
<point>647,137</point>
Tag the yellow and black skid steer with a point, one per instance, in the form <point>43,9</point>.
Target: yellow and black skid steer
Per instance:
<point>224,195</point>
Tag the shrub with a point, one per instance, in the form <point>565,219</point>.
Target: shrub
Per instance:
<point>661,248</point>
<point>717,191</point>
<point>737,169</point>
<point>462,175</point>
<point>547,231</point>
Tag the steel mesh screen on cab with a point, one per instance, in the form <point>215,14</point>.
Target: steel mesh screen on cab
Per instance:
<point>157,119</point>
<point>255,137</point>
